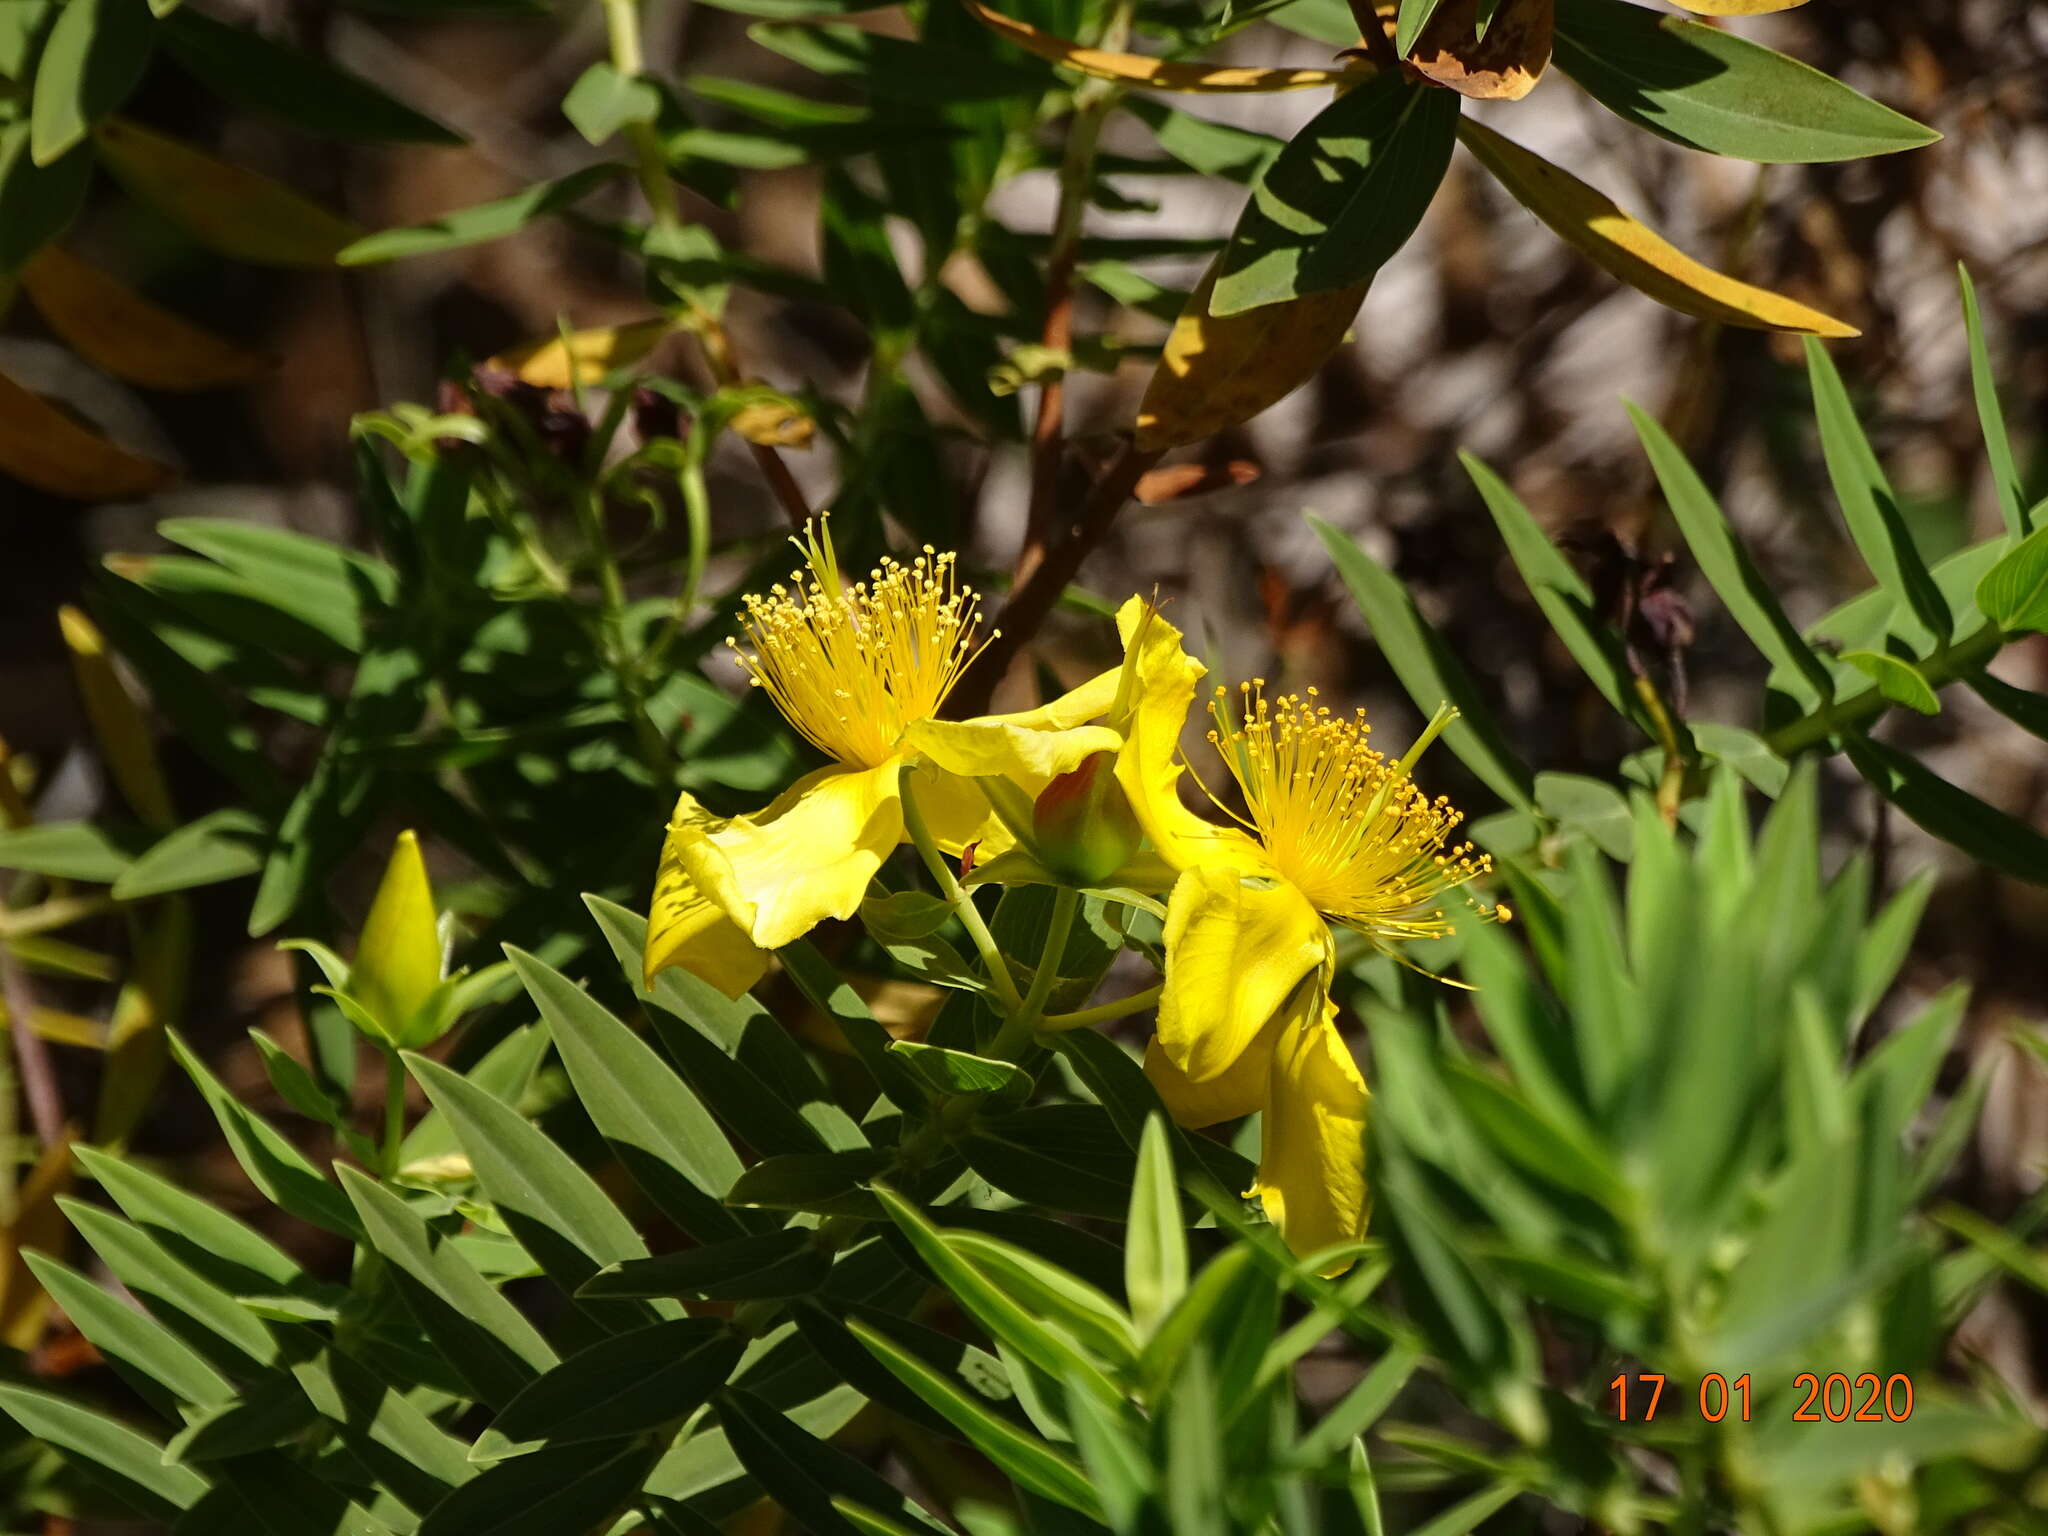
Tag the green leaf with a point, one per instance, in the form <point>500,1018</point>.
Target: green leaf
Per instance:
<point>1049,1350</point>
<point>261,1417</point>
<point>1868,503</point>
<point>1954,815</point>
<point>1561,1151</point>
<point>893,67</point>
<point>603,101</point>
<point>147,1354</point>
<point>483,1336</point>
<point>1021,1456</point>
<point>1899,681</point>
<point>2013,594</point>
<point>235,1257</point>
<point>1214,149</point>
<point>1426,667</point>
<point>132,1463</point>
<point>944,1071</point>
<point>1591,806</point>
<point>830,1183</point>
<point>645,1379</point>
<point>223,845</point>
<point>1195,1463</point>
<point>417,1459</point>
<point>187,1303</point>
<point>94,56</point>
<point>762,1266</point>
<point>555,1209</point>
<point>2022,706</point>
<point>1047,1291</point>
<point>659,1129</point>
<point>1469,1514</point>
<point>1708,89</point>
<point>835,997</point>
<point>482,222</point>
<point>547,1493</point>
<point>1155,1243</point>
<point>1410,19</point>
<point>295,86</point>
<point>1342,197</point>
<point>808,1477</point>
<point>1564,597</point>
<point>295,1085</point>
<point>37,202</point>
<point>1725,564</point>
<point>2005,472</point>
<point>70,850</point>
<point>273,1164</point>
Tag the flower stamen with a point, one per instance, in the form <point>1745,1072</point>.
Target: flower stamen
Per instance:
<point>1349,828</point>
<point>852,664</point>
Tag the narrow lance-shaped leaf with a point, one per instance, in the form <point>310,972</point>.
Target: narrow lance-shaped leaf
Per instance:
<point>1952,814</point>
<point>94,56</point>
<point>1342,197</point>
<point>1593,223</point>
<point>483,222</point>
<point>1709,89</point>
<point>1156,74</point>
<point>1997,444</point>
<point>46,448</point>
<point>126,334</point>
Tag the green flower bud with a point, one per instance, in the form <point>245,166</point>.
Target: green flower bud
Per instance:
<point>1083,826</point>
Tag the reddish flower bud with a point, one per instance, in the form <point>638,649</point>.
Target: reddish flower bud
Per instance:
<point>1083,825</point>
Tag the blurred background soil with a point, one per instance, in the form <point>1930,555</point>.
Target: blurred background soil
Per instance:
<point>1485,333</point>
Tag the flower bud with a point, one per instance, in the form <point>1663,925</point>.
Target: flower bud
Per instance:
<point>1082,823</point>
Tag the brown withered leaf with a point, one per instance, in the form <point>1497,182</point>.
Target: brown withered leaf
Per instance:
<point>1216,371</point>
<point>1178,482</point>
<point>126,334</point>
<point>1504,65</point>
<point>46,448</point>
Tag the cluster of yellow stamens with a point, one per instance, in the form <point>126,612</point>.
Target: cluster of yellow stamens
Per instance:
<point>851,664</point>
<point>1347,827</point>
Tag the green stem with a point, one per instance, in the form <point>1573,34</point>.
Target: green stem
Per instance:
<point>961,903</point>
<point>1018,1029</point>
<point>394,1111</point>
<point>1101,1013</point>
<point>623,666</point>
<point>622,26</point>
<point>1945,666</point>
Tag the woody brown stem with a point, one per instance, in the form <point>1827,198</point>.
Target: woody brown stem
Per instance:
<point>1033,598</point>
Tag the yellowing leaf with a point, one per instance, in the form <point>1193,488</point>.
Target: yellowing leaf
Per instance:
<point>124,736</point>
<point>398,958</point>
<point>1159,74</point>
<point>237,212</point>
<point>125,333</point>
<point>42,446</point>
<point>1633,252</point>
<point>773,424</point>
<point>1217,371</point>
<point>37,1222</point>
<point>1504,65</point>
<point>591,354</point>
<point>1736,7</point>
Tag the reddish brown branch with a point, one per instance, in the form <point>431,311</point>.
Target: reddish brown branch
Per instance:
<point>1033,597</point>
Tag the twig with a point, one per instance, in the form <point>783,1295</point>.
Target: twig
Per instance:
<point>1033,598</point>
<point>31,1055</point>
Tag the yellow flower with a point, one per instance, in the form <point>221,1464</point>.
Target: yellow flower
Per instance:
<point>861,669</point>
<point>1332,832</point>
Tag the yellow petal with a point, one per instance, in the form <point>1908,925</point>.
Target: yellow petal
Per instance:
<point>1633,252</point>
<point>808,857</point>
<point>584,357</point>
<point>1240,1091</point>
<point>1235,949</point>
<point>118,722</point>
<point>996,747</point>
<point>1148,767</point>
<point>1077,706</point>
<point>957,813</point>
<point>1218,370</point>
<point>126,334</point>
<point>685,927</point>
<point>1159,74</point>
<point>398,956</point>
<point>1736,7</point>
<point>1312,1171</point>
